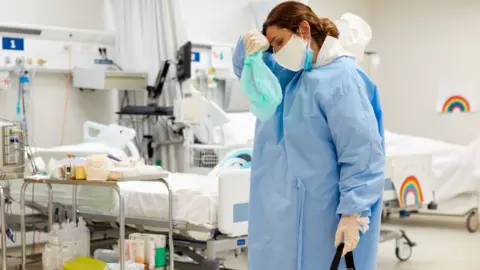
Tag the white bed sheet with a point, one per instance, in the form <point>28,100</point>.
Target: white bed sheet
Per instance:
<point>195,199</point>
<point>240,129</point>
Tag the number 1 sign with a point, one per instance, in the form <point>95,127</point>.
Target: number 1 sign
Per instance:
<point>12,44</point>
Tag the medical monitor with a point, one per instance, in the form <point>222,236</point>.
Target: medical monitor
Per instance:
<point>156,90</point>
<point>184,62</point>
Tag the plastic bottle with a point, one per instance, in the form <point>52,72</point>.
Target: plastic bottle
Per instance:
<point>72,165</point>
<point>51,256</point>
<point>25,82</point>
<point>47,262</point>
<point>84,235</point>
<point>67,237</point>
<point>68,167</point>
<point>54,238</point>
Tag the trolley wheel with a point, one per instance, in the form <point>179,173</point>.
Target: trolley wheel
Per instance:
<point>473,222</point>
<point>403,251</point>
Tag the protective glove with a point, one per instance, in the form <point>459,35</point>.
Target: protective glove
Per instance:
<point>254,42</point>
<point>348,231</point>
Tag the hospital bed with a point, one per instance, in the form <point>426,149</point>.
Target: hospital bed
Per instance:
<point>210,211</point>
<point>454,174</point>
<point>453,171</point>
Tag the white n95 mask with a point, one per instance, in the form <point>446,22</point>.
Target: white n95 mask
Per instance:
<point>292,56</point>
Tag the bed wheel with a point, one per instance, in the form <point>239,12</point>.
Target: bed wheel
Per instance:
<point>403,251</point>
<point>211,265</point>
<point>385,215</point>
<point>473,222</point>
<point>432,206</point>
<point>404,213</point>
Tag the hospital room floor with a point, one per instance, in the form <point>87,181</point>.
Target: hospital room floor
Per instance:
<point>442,244</point>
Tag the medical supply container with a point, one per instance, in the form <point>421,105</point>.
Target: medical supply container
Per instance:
<point>80,172</point>
<point>66,243</point>
<point>129,265</point>
<point>70,167</point>
<point>52,254</point>
<point>106,255</point>
<point>97,167</point>
<point>83,263</point>
<point>157,242</point>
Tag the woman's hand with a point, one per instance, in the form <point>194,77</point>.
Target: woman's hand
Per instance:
<point>254,42</point>
<point>348,232</point>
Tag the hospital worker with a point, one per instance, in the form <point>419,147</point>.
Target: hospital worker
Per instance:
<point>318,163</point>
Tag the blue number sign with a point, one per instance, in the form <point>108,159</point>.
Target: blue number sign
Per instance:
<point>195,57</point>
<point>13,44</point>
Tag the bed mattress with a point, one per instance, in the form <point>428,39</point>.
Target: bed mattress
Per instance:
<point>195,199</point>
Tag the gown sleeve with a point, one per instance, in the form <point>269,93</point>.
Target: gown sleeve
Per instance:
<point>359,145</point>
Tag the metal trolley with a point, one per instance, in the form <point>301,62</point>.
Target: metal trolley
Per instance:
<point>109,184</point>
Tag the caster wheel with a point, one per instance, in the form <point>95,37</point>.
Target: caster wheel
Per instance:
<point>432,206</point>
<point>403,251</point>
<point>473,222</point>
<point>386,216</point>
<point>404,213</point>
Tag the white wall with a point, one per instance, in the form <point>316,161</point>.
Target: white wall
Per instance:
<point>223,21</point>
<point>422,44</point>
<point>49,90</point>
<point>85,14</point>
<point>215,21</point>
<point>335,9</point>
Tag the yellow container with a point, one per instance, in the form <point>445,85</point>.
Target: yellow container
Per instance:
<point>84,263</point>
<point>80,172</point>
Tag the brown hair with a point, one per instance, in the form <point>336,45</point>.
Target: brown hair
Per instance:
<point>290,14</point>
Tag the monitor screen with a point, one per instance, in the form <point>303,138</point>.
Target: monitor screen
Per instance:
<point>161,78</point>
<point>184,65</point>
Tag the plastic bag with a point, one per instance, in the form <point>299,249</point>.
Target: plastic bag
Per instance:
<point>261,87</point>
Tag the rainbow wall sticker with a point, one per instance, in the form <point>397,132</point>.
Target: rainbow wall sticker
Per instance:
<point>410,189</point>
<point>456,104</point>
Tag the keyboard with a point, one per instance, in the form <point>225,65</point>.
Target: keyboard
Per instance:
<point>146,110</point>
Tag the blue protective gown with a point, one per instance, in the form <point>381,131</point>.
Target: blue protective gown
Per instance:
<point>319,157</point>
